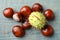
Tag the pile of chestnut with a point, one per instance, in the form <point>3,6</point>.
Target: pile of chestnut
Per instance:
<point>22,16</point>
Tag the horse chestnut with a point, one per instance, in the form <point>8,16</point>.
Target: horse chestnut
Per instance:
<point>25,11</point>
<point>37,7</point>
<point>26,25</point>
<point>18,31</point>
<point>47,31</point>
<point>48,13</point>
<point>8,12</point>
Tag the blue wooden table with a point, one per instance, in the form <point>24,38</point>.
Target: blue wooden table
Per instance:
<point>32,34</point>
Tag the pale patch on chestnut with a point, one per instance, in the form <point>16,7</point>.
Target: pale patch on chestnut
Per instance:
<point>17,16</point>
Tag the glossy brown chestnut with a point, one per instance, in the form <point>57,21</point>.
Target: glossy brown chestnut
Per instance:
<point>26,25</point>
<point>48,13</point>
<point>47,31</point>
<point>25,11</point>
<point>8,12</point>
<point>18,31</point>
<point>37,7</point>
<point>17,16</point>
